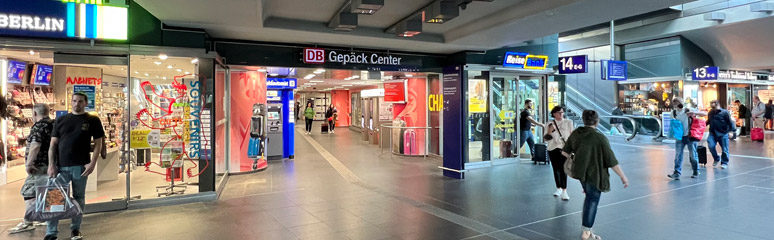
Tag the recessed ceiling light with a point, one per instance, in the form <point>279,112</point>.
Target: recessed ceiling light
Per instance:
<point>32,52</point>
<point>187,72</point>
<point>195,60</point>
<point>179,70</point>
<point>169,66</point>
<point>316,81</point>
<point>146,74</point>
<point>136,72</point>
<point>157,63</point>
<point>409,75</point>
<point>163,56</point>
<point>273,74</point>
<point>165,78</point>
<point>262,70</point>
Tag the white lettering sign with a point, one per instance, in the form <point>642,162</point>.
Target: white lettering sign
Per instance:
<point>34,23</point>
<point>738,75</point>
<point>362,58</point>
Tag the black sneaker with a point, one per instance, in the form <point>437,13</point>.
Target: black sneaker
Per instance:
<point>675,176</point>
<point>76,235</point>
<point>695,174</point>
<point>50,237</point>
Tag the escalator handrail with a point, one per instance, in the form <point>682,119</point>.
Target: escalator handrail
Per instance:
<point>631,119</point>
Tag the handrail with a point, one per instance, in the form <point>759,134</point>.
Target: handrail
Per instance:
<point>389,126</point>
<point>658,120</point>
<point>599,109</point>
<point>634,124</point>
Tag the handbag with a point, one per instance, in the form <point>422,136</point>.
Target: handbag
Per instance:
<point>569,161</point>
<point>52,202</point>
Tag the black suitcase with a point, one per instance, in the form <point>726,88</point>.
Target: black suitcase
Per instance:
<point>702,151</point>
<point>324,128</point>
<point>540,156</point>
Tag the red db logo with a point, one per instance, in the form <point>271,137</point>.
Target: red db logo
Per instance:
<point>314,55</point>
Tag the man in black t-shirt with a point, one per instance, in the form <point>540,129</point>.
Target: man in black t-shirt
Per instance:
<point>69,155</point>
<point>525,123</point>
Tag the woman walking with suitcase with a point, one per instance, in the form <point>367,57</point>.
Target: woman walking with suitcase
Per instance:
<point>592,156</point>
<point>558,131</point>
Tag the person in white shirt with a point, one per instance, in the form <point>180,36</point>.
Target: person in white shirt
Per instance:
<point>558,131</point>
<point>758,109</point>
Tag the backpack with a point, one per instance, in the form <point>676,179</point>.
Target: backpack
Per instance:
<point>676,129</point>
<point>698,126</point>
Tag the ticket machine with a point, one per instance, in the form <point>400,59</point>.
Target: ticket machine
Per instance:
<point>274,127</point>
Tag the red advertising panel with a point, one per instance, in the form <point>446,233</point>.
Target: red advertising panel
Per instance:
<point>395,91</point>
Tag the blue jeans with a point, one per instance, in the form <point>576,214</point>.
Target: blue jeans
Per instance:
<point>526,135</point>
<point>712,141</point>
<point>693,157</point>
<point>72,174</point>
<point>590,205</point>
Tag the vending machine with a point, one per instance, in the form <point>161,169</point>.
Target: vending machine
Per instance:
<point>274,125</point>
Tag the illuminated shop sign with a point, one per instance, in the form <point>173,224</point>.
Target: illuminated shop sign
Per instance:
<point>281,83</point>
<point>705,73</point>
<point>573,64</point>
<point>86,19</point>
<point>318,56</point>
<point>524,60</point>
<point>737,75</point>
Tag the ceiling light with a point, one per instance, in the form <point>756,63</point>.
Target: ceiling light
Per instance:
<point>317,81</point>
<point>319,70</point>
<point>157,63</point>
<point>165,78</point>
<point>343,21</point>
<point>169,66</point>
<point>261,70</point>
<point>273,74</point>
<point>408,28</point>
<point>136,72</point>
<point>366,6</point>
<point>187,73</point>
<point>157,76</point>
<point>179,70</point>
<point>163,56</point>
<point>409,75</point>
<point>440,12</point>
<point>310,84</point>
<point>147,75</point>
<point>195,60</point>
<point>32,52</point>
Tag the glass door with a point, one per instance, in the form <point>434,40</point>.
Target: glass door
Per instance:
<point>504,112</point>
<point>530,89</point>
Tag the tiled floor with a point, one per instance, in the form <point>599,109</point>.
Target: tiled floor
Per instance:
<point>408,198</point>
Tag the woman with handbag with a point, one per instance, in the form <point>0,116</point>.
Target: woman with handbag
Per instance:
<point>558,131</point>
<point>589,156</point>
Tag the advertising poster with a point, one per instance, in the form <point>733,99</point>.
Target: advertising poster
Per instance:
<point>435,104</point>
<point>414,114</point>
<point>43,74</point>
<point>478,93</point>
<point>342,102</point>
<point>395,91</point>
<point>16,70</point>
<point>220,122</point>
<point>147,138</point>
<point>247,88</point>
<point>90,92</point>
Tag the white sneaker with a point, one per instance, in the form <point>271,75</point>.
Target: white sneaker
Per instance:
<point>565,196</point>
<point>558,192</point>
<point>22,227</point>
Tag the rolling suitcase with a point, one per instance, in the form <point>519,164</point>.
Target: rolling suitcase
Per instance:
<point>756,134</point>
<point>410,142</point>
<point>540,156</point>
<point>324,127</point>
<point>702,152</point>
<point>505,149</point>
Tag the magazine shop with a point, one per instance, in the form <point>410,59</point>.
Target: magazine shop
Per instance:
<point>154,100</point>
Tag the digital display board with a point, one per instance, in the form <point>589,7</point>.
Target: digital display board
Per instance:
<point>16,71</point>
<point>42,74</point>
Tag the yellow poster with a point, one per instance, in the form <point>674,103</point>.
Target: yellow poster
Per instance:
<point>477,93</point>
<point>144,139</point>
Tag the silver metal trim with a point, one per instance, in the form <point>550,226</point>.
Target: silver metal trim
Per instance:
<point>453,170</point>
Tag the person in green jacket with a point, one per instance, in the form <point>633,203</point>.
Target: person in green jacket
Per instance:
<point>309,116</point>
<point>592,157</point>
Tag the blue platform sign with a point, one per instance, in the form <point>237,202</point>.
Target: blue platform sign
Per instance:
<point>614,70</point>
<point>454,115</point>
<point>281,83</point>
<point>573,64</point>
<point>705,73</point>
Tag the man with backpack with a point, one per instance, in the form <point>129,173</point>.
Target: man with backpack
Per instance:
<point>684,117</point>
<point>720,123</point>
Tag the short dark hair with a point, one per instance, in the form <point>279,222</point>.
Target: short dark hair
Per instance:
<point>737,101</point>
<point>770,101</point>
<point>86,98</point>
<point>590,118</point>
<point>527,101</point>
<point>556,109</point>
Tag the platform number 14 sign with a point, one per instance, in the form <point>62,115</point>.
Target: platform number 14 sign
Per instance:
<point>573,64</point>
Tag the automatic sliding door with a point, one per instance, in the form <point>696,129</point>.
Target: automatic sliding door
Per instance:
<point>503,112</point>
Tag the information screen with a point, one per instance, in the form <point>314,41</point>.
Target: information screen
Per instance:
<point>42,74</point>
<point>274,116</point>
<point>16,71</point>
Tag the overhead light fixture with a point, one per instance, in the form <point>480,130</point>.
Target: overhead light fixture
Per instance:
<point>343,20</point>
<point>147,75</point>
<point>32,52</point>
<point>179,70</point>
<point>262,70</point>
<point>195,60</point>
<point>310,84</point>
<point>319,70</point>
<point>366,6</point>
<point>169,66</point>
<point>163,56</point>
<point>165,78</point>
<point>409,75</point>
<point>409,27</point>
<point>136,72</point>
<point>317,81</point>
<point>187,73</point>
<point>273,74</point>
<point>157,63</point>
<point>440,11</point>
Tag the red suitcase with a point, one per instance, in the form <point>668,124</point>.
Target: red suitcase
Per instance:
<point>757,134</point>
<point>410,142</point>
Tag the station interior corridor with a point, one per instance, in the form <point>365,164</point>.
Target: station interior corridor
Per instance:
<point>339,187</point>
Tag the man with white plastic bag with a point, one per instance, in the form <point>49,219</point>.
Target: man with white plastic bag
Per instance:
<point>53,202</point>
<point>69,157</point>
<point>36,158</point>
